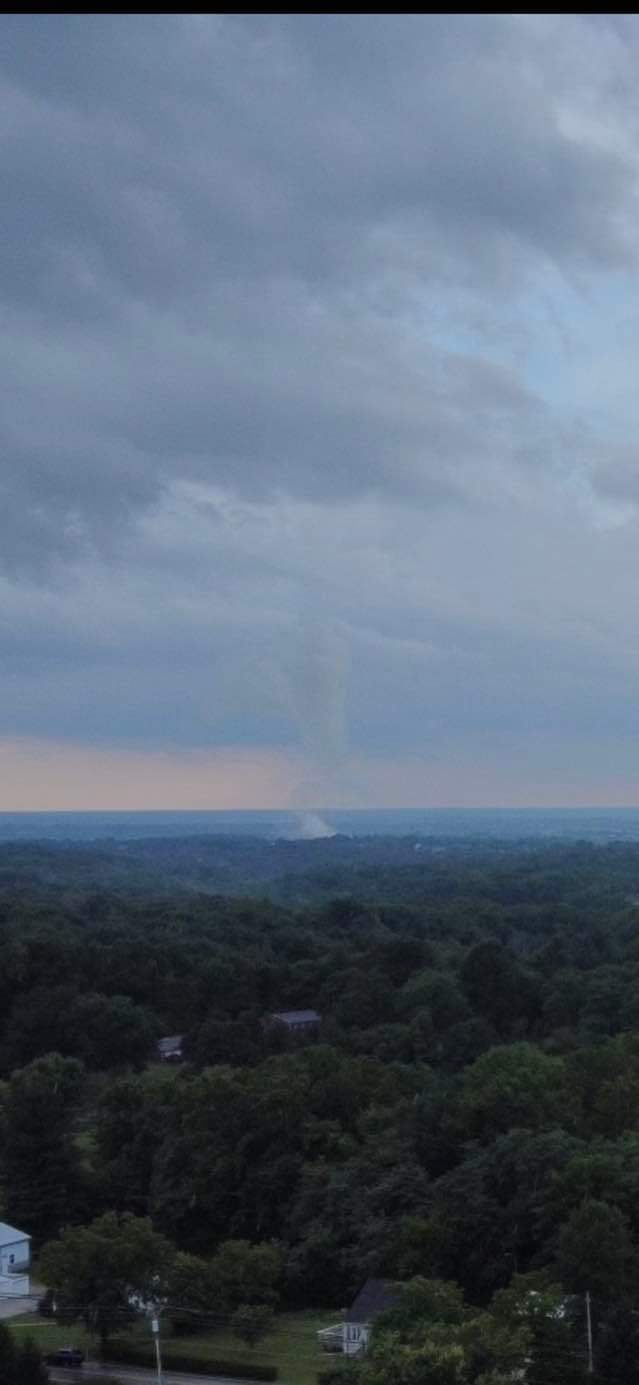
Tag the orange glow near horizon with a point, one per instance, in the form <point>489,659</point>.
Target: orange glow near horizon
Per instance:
<point>50,776</point>
<point>54,776</point>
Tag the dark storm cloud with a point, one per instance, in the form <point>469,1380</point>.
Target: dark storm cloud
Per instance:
<point>203,215</point>
<point>290,304</point>
<point>164,155</point>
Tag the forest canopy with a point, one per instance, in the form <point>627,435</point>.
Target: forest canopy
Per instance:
<point>467,1112</point>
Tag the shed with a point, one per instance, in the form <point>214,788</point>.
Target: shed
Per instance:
<point>170,1048</point>
<point>298,1021</point>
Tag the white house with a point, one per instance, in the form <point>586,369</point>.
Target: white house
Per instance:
<point>15,1260</point>
<point>376,1297</point>
<point>352,1335</point>
<point>170,1049</point>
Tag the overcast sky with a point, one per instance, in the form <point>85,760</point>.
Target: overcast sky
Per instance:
<point>320,408</point>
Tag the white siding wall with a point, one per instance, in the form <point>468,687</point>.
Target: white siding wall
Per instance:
<point>14,1286</point>
<point>355,1337</point>
<point>15,1257</point>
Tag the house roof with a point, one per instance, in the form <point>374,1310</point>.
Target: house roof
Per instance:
<point>173,1041</point>
<point>10,1234</point>
<point>297,1016</point>
<point>375,1296</point>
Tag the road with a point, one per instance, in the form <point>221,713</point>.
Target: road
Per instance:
<point>133,1375</point>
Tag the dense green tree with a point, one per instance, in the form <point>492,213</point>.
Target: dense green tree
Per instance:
<point>604,991</point>
<point>439,994</point>
<point>101,1271</point>
<point>616,1105</point>
<point>187,1283</point>
<point>499,989</point>
<point>514,1085</point>
<point>252,1322</point>
<point>112,1031</point>
<point>39,1024</point>
<point>495,1213</point>
<point>595,1251</point>
<point>432,1334</point>
<point>222,1040</point>
<point>617,1346</point>
<point>435,1361</point>
<point>189,1293</point>
<point>132,1117</point>
<point>563,999</point>
<point>42,1167</point>
<point>243,1273</point>
<point>553,1357</point>
<point>425,1300</point>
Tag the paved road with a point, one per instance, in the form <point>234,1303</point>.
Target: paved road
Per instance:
<point>133,1375</point>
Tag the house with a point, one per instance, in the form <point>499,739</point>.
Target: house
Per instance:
<point>351,1336</point>
<point>170,1049</point>
<point>376,1297</point>
<point>298,1021</point>
<point>15,1260</point>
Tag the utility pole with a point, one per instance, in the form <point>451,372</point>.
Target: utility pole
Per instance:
<point>155,1328</point>
<point>589,1331</point>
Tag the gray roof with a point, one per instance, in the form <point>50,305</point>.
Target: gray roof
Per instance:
<point>10,1234</point>
<point>173,1041</point>
<point>297,1016</point>
<point>376,1296</point>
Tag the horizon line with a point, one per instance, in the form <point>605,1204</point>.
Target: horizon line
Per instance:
<point>301,812</point>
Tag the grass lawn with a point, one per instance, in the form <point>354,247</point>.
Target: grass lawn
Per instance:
<point>48,1335</point>
<point>292,1346</point>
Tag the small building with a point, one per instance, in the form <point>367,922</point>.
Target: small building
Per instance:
<point>375,1297</point>
<point>15,1261</point>
<point>170,1049</point>
<point>298,1021</point>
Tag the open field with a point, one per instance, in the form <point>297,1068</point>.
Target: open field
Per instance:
<point>292,1347</point>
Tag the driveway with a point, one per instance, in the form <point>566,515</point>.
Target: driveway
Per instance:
<point>11,1307</point>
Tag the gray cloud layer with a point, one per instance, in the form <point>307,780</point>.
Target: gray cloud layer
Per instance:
<point>317,339</point>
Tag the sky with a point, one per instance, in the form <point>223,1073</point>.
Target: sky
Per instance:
<point>320,474</point>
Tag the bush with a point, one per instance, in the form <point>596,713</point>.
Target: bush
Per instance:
<point>251,1322</point>
<point>184,1324</point>
<point>134,1355</point>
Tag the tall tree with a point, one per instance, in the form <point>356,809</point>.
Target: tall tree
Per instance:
<point>101,1271</point>
<point>42,1168</point>
<point>596,1251</point>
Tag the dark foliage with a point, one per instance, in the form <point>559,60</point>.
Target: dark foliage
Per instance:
<point>469,1109</point>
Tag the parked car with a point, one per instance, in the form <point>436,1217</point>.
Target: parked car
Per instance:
<point>65,1356</point>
